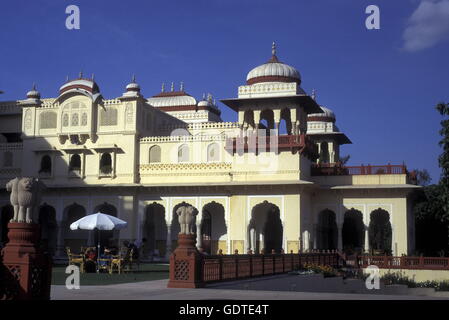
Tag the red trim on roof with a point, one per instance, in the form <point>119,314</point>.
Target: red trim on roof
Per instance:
<point>272,79</point>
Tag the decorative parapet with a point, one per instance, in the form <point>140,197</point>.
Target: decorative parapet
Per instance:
<point>111,101</point>
<point>185,166</point>
<point>10,172</point>
<point>264,89</point>
<point>11,146</point>
<point>10,107</point>
<point>204,137</point>
<point>336,169</point>
<point>200,126</point>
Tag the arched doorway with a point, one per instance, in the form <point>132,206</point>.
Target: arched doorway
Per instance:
<point>380,232</point>
<point>265,228</point>
<point>155,231</point>
<point>107,237</point>
<point>327,230</point>
<point>75,239</point>
<point>213,228</point>
<point>353,231</point>
<point>7,213</point>
<point>47,220</point>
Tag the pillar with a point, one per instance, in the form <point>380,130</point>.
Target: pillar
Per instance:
<point>168,242</point>
<point>340,237</point>
<point>366,245</point>
<point>315,236</point>
<point>60,250</point>
<point>256,119</point>
<point>199,237</point>
<point>331,146</point>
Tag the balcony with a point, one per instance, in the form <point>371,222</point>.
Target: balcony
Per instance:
<point>274,143</point>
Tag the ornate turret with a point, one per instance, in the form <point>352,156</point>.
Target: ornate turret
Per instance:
<point>33,96</point>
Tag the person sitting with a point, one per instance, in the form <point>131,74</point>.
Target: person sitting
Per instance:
<point>131,246</point>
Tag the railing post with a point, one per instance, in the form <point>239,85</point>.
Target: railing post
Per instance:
<point>250,266</point>
<point>220,268</point>
<point>236,267</point>
<point>263,264</point>
<point>421,262</point>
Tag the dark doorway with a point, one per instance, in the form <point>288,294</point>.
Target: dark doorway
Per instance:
<point>380,232</point>
<point>353,231</point>
<point>47,220</point>
<point>327,230</point>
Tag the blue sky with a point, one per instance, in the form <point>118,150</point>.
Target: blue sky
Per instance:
<point>382,84</point>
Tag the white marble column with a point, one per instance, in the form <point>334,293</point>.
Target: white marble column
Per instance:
<point>366,239</point>
<point>199,238</point>
<point>315,236</point>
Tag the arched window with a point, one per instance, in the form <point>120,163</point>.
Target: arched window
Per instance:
<point>45,165</point>
<point>65,120</point>
<point>75,163</point>
<point>75,119</point>
<point>84,119</point>
<point>155,154</point>
<point>183,153</point>
<point>213,152</point>
<point>7,159</point>
<point>106,163</point>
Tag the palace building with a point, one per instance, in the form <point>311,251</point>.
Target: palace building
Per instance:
<point>272,180</point>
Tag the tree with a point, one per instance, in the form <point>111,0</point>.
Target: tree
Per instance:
<point>422,177</point>
<point>431,203</point>
<point>443,159</point>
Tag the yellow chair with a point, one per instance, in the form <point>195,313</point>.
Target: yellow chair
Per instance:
<point>75,259</point>
<point>120,261</point>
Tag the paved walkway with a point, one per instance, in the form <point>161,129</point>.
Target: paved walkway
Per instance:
<point>157,290</point>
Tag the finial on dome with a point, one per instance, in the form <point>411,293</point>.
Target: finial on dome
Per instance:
<point>93,77</point>
<point>313,94</point>
<point>204,96</point>
<point>163,87</point>
<point>133,79</point>
<point>66,78</point>
<point>182,86</point>
<point>172,86</point>
<point>34,86</point>
<point>273,49</point>
<point>80,74</point>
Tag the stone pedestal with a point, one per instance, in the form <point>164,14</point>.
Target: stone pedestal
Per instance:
<point>26,271</point>
<point>186,264</point>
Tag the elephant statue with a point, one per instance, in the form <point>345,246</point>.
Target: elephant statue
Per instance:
<point>186,217</point>
<point>26,194</point>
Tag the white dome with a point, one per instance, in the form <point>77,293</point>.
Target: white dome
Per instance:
<point>132,86</point>
<point>274,69</point>
<point>172,101</point>
<point>327,114</point>
<point>33,94</point>
<point>204,103</point>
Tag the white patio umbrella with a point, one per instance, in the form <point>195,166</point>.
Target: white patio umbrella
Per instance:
<point>98,221</point>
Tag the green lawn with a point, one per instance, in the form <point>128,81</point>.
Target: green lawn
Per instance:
<point>146,272</point>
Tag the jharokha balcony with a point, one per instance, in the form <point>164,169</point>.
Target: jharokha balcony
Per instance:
<point>273,143</point>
